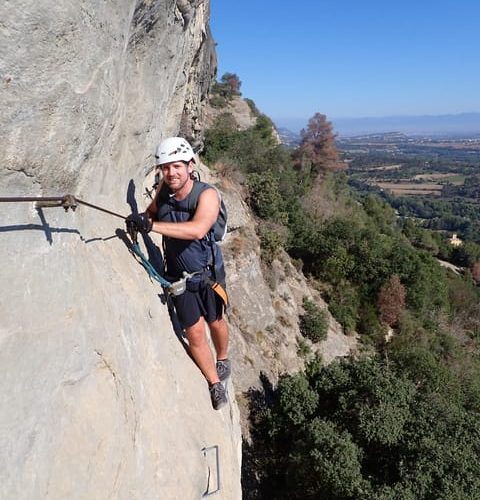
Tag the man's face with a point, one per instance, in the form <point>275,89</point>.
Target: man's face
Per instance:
<point>176,174</point>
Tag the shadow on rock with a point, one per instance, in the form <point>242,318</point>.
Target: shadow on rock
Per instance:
<point>155,258</point>
<point>45,227</point>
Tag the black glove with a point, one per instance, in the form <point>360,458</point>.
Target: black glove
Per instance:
<point>138,222</point>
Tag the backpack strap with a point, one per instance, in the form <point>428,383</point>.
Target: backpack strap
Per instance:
<point>197,190</point>
<point>164,207</point>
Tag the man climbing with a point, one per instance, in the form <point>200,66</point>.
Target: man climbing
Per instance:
<point>184,211</point>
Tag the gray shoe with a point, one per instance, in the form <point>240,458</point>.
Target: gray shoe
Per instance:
<point>218,396</point>
<point>224,369</point>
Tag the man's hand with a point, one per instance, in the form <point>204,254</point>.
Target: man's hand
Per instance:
<point>138,222</point>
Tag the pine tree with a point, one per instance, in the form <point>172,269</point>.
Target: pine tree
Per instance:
<point>317,149</point>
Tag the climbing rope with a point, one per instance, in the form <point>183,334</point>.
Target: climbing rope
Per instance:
<point>69,201</point>
<point>152,272</point>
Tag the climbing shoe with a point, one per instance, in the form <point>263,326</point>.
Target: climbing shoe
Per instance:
<point>224,369</point>
<point>218,396</point>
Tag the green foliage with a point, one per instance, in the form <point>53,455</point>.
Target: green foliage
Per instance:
<point>263,128</point>
<point>371,429</point>
<point>297,399</point>
<point>217,101</point>
<point>427,369</point>
<point>344,305</point>
<point>220,139</point>
<point>381,214</point>
<point>467,254</point>
<point>265,197</point>
<point>253,107</point>
<point>326,459</point>
<point>356,254</point>
<point>314,323</point>
<point>424,238</point>
<point>369,324</point>
<point>402,426</point>
<point>427,286</point>
<point>303,349</point>
<point>357,249</point>
<point>250,150</point>
<point>272,241</point>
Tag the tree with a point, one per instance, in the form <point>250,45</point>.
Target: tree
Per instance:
<point>325,459</point>
<point>466,254</point>
<point>314,323</point>
<point>391,300</point>
<point>232,82</point>
<point>317,149</point>
<point>228,87</point>
<point>405,427</point>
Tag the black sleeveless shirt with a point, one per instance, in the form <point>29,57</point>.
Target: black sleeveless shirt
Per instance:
<point>185,255</point>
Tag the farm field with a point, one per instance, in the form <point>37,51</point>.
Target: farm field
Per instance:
<point>410,188</point>
<point>456,179</point>
<point>434,182</point>
<point>402,180</point>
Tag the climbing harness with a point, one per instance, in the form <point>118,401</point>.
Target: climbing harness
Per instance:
<point>219,290</point>
<point>178,287</point>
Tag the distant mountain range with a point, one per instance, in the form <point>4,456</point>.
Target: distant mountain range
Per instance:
<point>288,138</point>
<point>452,125</point>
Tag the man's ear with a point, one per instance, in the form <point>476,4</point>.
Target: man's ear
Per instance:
<point>190,166</point>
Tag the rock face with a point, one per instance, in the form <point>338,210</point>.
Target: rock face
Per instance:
<point>266,301</point>
<point>98,398</point>
<point>238,108</point>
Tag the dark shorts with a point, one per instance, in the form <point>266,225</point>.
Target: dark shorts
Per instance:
<point>198,300</point>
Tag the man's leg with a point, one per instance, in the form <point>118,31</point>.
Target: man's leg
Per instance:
<point>200,350</point>
<point>219,333</point>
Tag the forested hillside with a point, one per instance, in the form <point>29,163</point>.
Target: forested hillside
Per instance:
<point>401,419</point>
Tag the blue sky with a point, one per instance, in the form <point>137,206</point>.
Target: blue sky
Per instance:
<point>351,58</point>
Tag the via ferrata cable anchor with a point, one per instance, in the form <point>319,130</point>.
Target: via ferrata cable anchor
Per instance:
<point>69,201</point>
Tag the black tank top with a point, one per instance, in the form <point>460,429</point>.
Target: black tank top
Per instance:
<point>185,255</point>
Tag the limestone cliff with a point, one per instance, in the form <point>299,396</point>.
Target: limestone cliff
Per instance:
<point>98,398</point>
<point>238,108</point>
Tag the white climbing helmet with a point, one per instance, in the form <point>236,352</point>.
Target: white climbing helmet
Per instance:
<point>174,149</point>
